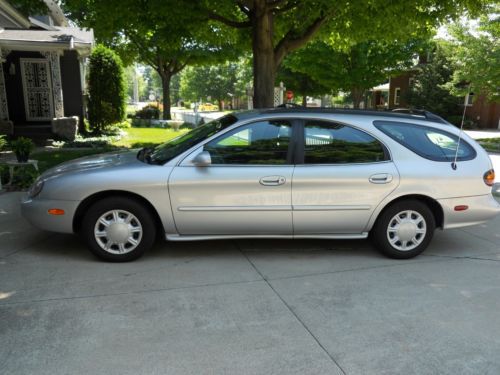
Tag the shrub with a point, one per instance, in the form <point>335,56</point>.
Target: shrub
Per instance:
<point>107,90</point>
<point>3,142</point>
<point>24,177</point>
<point>151,111</point>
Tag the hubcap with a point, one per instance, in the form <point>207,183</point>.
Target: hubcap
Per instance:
<point>406,230</point>
<point>118,232</point>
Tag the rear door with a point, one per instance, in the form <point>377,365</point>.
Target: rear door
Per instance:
<point>342,174</point>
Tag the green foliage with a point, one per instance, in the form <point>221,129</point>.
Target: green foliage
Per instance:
<point>30,7</point>
<point>218,81</point>
<point>476,58</point>
<point>343,23</point>
<point>150,111</point>
<point>22,147</point>
<point>430,90</point>
<point>490,144</point>
<point>301,83</point>
<point>24,177</point>
<point>167,35</point>
<point>355,69</point>
<point>107,91</point>
<point>3,142</point>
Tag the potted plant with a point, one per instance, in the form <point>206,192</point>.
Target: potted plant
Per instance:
<point>22,147</point>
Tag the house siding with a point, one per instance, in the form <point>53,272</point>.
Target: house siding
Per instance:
<point>403,83</point>
<point>485,114</point>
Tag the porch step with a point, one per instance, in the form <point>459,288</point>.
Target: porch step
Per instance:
<point>40,134</point>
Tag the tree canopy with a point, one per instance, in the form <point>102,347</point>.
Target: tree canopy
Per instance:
<point>167,35</point>
<point>356,68</point>
<point>476,57</point>
<point>221,81</point>
<point>276,28</point>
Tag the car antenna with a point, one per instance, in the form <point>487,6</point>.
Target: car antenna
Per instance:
<point>466,100</point>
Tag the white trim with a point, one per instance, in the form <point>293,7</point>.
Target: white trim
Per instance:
<point>397,95</point>
<point>25,89</point>
<point>4,108</point>
<point>84,49</point>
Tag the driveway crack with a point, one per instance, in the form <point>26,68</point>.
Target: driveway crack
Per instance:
<point>291,310</point>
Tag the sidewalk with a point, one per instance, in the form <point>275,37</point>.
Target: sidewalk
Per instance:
<point>480,134</point>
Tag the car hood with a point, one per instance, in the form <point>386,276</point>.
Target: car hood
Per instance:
<point>93,162</point>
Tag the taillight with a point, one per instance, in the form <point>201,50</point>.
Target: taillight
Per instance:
<point>489,177</point>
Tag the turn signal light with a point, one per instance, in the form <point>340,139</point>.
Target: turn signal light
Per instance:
<point>489,177</point>
<point>462,207</point>
<point>56,211</point>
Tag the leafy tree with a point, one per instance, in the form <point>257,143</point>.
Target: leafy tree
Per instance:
<point>278,27</point>
<point>476,57</point>
<point>132,74</point>
<point>107,89</point>
<point>167,35</point>
<point>356,68</point>
<point>29,7</point>
<point>218,81</point>
<point>301,84</point>
<point>429,90</point>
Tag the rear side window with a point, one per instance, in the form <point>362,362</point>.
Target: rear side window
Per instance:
<point>429,143</point>
<point>331,143</point>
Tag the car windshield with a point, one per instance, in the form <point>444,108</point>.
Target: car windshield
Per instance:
<point>167,151</point>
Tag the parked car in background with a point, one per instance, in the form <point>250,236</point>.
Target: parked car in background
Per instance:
<point>279,173</point>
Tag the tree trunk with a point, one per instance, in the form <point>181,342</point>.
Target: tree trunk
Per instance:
<point>357,96</point>
<point>165,84</point>
<point>304,100</point>
<point>264,69</point>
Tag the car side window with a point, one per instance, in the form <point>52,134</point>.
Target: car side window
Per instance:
<point>263,142</point>
<point>429,143</point>
<point>331,143</point>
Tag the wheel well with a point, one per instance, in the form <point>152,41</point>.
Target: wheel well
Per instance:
<point>433,205</point>
<point>90,200</point>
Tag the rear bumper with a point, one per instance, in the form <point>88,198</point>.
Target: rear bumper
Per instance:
<point>36,212</point>
<point>480,209</point>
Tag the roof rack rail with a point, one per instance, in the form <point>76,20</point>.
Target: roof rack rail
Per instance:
<point>402,113</point>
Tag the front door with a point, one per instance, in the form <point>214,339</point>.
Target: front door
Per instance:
<point>345,173</point>
<point>37,89</point>
<point>245,191</point>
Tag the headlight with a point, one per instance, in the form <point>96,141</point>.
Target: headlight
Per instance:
<point>36,188</point>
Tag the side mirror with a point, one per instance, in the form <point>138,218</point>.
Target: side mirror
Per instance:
<point>203,159</point>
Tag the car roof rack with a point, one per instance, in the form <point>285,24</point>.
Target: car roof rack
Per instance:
<point>420,114</point>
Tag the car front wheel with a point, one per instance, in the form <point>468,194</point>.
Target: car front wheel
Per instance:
<point>404,229</point>
<point>118,229</point>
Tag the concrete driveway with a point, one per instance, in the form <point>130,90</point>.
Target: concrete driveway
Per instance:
<point>248,307</point>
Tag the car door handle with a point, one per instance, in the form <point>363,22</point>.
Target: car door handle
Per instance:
<point>272,180</point>
<point>380,178</point>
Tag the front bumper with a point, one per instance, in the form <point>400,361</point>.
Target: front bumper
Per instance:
<point>480,209</point>
<point>36,212</point>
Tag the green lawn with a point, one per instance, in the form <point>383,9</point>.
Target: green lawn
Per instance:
<point>135,138</point>
<point>146,137</point>
<point>490,144</point>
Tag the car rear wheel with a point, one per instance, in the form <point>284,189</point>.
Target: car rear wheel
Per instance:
<point>404,229</point>
<point>118,229</point>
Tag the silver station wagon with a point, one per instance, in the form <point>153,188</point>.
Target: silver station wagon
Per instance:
<point>278,173</point>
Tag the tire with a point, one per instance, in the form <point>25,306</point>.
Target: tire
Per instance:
<point>118,229</point>
<point>404,229</point>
